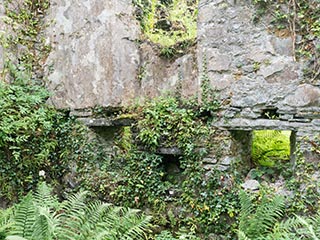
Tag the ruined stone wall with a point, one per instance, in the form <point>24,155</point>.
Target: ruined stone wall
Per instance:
<point>255,72</point>
<point>253,69</point>
<point>97,60</point>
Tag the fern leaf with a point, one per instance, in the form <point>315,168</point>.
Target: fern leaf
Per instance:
<point>24,217</point>
<point>242,236</point>
<point>43,197</point>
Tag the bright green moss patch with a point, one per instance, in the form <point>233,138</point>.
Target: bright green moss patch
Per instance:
<point>270,146</point>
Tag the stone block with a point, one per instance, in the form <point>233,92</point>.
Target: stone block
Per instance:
<point>305,95</point>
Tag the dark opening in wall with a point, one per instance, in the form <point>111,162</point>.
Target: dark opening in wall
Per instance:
<point>270,113</point>
<point>171,167</point>
<point>273,147</point>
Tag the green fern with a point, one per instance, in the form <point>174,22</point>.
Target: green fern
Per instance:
<point>258,222</point>
<point>269,146</point>
<point>41,217</point>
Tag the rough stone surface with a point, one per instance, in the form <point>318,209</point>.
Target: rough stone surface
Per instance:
<point>95,58</point>
<point>2,31</point>
<point>251,185</point>
<point>253,70</point>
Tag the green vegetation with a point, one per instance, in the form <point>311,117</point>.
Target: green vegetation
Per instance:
<point>270,147</point>
<point>169,24</point>
<point>40,216</point>
<point>39,143</point>
<point>162,184</point>
<point>262,219</point>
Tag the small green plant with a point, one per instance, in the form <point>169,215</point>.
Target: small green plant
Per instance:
<point>25,41</point>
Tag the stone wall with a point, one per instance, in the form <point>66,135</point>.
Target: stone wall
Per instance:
<point>97,60</point>
<point>2,31</point>
<point>255,73</point>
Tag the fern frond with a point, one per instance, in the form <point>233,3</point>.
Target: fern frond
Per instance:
<point>258,222</point>
<point>246,211</point>
<point>6,220</point>
<point>24,218</point>
<point>45,225</point>
<point>15,238</point>
<point>134,224</point>
<point>72,212</point>
<point>242,236</point>
<point>267,214</point>
<point>308,229</point>
<point>93,219</point>
<point>43,197</point>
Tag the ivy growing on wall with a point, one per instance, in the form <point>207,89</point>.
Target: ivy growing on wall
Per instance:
<point>36,141</point>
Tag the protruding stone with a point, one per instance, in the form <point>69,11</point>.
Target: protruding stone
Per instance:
<point>251,185</point>
<point>209,160</point>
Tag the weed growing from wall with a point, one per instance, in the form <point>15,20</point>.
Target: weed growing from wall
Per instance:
<point>203,204</point>
<point>171,25</point>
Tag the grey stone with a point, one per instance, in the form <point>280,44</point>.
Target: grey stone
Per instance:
<point>169,151</point>
<point>251,185</point>
<point>304,95</point>
<point>316,122</point>
<point>227,161</point>
<point>267,71</point>
<point>94,55</point>
<point>209,160</point>
<point>248,113</point>
<point>222,167</point>
<point>83,113</point>
<point>105,122</point>
<point>282,46</point>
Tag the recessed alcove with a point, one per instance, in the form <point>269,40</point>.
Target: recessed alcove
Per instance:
<point>269,113</point>
<point>172,169</point>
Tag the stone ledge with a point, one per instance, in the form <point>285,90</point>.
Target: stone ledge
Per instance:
<point>263,124</point>
<point>106,122</point>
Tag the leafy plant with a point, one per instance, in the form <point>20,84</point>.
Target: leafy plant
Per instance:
<point>40,216</point>
<point>269,146</point>
<point>25,42</point>
<point>35,137</point>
